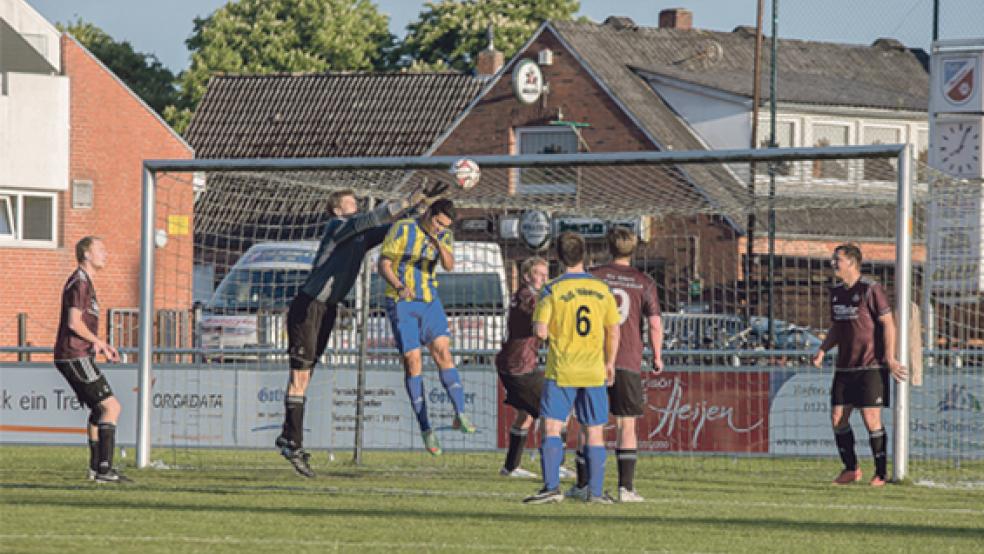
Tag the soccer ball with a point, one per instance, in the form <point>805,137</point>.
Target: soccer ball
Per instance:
<point>466,173</point>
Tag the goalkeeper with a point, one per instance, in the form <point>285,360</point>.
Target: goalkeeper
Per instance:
<point>311,316</point>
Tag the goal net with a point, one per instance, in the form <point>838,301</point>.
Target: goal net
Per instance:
<point>229,261</point>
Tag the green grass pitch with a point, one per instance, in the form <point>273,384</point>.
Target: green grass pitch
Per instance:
<point>234,501</point>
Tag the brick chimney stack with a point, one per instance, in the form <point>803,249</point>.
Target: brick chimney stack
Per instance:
<point>676,18</point>
<point>490,60</point>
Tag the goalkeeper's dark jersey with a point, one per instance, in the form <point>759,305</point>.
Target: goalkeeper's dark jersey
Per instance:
<point>345,242</point>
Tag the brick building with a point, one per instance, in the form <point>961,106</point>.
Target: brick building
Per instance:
<point>73,148</point>
<point>680,88</point>
<point>630,88</point>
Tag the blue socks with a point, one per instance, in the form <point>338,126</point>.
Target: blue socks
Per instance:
<point>452,384</point>
<point>415,389</point>
<point>596,469</point>
<point>551,457</point>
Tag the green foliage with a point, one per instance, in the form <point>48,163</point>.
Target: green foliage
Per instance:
<point>450,33</point>
<point>177,118</point>
<point>265,36</point>
<point>143,73</point>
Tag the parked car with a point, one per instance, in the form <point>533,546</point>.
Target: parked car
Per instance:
<point>249,306</point>
<point>724,332</point>
<point>699,331</point>
<point>257,289</point>
<point>788,336</point>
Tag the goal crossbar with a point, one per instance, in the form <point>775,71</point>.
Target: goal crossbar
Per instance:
<point>531,160</point>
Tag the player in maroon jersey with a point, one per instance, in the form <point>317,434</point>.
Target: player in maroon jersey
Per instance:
<point>635,293</point>
<point>863,330</point>
<point>516,363</point>
<point>76,348</point>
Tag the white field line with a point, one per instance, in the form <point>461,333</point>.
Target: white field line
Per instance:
<point>335,544</point>
<point>359,491</point>
<point>672,500</point>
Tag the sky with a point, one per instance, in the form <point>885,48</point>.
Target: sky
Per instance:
<point>161,27</point>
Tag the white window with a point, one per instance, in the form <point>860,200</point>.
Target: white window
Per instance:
<point>6,218</point>
<point>922,154</point>
<point>880,169</point>
<point>27,218</point>
<point>830,134</point>
<point>546,140</point>
<point>81,194</point>
<point>785,131</point>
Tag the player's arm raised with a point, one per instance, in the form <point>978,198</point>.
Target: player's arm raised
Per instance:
<point>386,212</point>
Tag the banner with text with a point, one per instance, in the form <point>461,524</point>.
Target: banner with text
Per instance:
<point>245,408</point>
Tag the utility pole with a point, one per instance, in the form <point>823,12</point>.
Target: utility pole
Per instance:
<point>756,100</point>
<point>772,178</point>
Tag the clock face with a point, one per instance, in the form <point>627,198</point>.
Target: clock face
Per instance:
<point>959,148</point>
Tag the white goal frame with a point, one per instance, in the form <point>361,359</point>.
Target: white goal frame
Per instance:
<point>903,267</point>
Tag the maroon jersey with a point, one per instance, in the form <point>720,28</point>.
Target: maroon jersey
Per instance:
<point>854,314</point>
<point>518,354</point>
<point>78,293</point>
<point>635,294</point>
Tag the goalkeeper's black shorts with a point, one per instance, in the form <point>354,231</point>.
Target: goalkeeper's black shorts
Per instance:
<point>309,325</point>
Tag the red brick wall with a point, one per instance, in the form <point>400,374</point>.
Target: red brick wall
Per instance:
<point>111,134</point>
<point>488,128</point>
<point>823,249</point>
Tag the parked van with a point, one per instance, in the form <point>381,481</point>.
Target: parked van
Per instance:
<point>249,306</point>
<point>262,283</point>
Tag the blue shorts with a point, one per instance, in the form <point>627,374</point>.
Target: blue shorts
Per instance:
<point>590,403</point>
<point>415,323</point>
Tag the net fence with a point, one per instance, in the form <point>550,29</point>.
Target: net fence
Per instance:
<point>729,398</point>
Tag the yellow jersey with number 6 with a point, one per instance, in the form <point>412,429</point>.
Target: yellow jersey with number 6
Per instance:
<point>576,308</point>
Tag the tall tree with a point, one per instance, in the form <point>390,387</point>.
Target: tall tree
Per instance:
<point>449,34</point>
<point>265,36</point>
<point>143,73</point>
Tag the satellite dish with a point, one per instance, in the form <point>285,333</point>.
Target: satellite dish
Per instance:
<point>709,53</point>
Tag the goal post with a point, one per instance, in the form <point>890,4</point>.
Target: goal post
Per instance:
<point>903,284</point>
<point>577,190</point>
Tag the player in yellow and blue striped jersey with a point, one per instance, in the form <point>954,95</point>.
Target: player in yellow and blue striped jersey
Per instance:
<point>410,254</point>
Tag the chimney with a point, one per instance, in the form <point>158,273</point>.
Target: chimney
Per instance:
<point>490,60</point>
<point>620,22</point>
<point>676,18</point>
<point>888,44</point>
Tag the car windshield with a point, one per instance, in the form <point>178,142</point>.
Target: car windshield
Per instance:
<point>252,289</point>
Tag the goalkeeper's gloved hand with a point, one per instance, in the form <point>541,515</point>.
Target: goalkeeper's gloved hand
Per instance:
<point>437,188</point>
<point>426,193</point>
